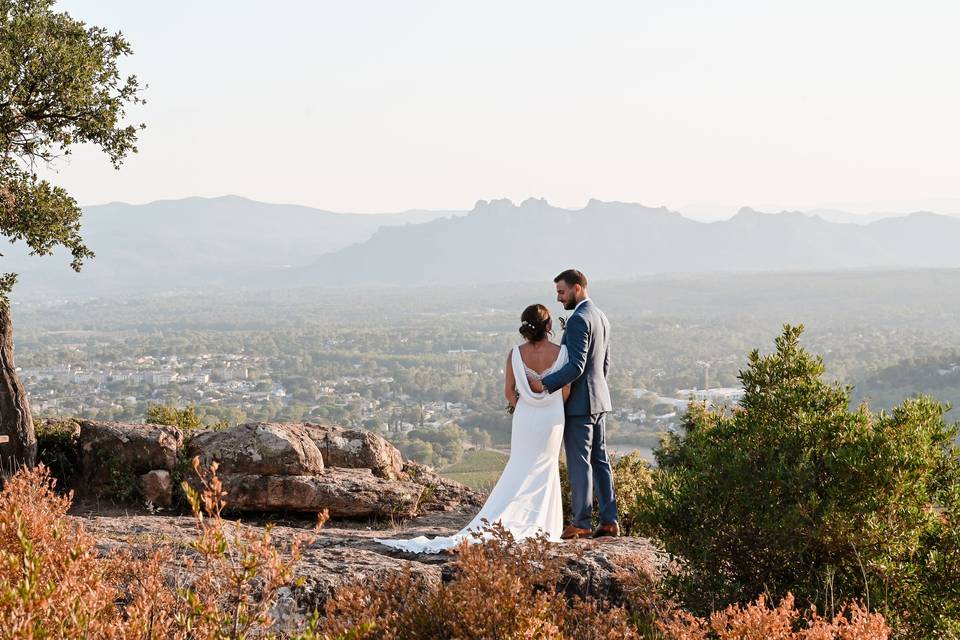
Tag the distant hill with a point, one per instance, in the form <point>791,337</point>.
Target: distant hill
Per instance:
<point>232,242</point>
<point>499,241</point>
<point>936,375</point>
<point>197,242</point>
<point>845,217</point>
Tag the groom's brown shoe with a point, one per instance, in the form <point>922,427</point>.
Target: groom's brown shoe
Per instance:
<point>611,529</point>
<point>573,532</point>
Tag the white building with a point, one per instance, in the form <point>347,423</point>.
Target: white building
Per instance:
<point>232,373</point>
<point>161,377</point>
<point>721,395</point>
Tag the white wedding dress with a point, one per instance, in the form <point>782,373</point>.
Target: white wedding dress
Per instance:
<point>526,500</point>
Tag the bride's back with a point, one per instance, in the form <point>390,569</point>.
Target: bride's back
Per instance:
<point>540,355</point>
<point>534,358</point>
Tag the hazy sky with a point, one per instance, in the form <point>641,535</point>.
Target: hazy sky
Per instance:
<point>383,106</point>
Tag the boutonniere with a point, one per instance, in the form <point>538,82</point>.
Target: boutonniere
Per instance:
<point>563,323</point>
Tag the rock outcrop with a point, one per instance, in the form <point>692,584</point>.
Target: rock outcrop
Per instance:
<point>598,568</point>
<point>356,449</point>
<point>310,467</point>
<point>335,557</point>
<point>109,450</point>
<point>269,467</point>
<point>156,487</point>
<point>279,468</point>
<point>344,493</point>
<point>259,448</point>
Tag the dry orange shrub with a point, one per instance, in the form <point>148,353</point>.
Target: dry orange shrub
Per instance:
<point>500,589</point>
<point>510,591</point>
<point>51,582</point>
<point>758,621</point>
<point>240,572</point>
<point>55,584</point>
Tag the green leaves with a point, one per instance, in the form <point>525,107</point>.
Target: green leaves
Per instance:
<point>60,85</point>
<point>185,419</point>
<point>794,492</point>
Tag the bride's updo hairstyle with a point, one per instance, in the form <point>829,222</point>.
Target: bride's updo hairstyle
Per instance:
<point>535,323</point>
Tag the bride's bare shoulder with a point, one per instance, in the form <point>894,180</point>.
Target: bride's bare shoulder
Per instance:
<point>550,353</point>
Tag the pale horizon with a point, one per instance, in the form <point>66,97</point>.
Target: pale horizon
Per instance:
<point>386,107</point>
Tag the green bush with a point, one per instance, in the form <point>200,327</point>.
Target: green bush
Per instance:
<point>122,485</point>
<point>58,449</point>
<point>631,475</point>
<point>794,492</point>
<point>185,419</point>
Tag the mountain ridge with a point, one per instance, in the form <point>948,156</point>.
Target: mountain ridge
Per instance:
<point>195,241</point>
<point>612,240</point>
<point>235,242</point>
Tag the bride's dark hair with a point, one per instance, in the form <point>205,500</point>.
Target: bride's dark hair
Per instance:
<point>535,323</point>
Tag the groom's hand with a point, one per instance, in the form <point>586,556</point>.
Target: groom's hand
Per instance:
<point>535,385</point>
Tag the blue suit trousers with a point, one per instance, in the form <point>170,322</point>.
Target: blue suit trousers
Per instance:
<point>588,469</point>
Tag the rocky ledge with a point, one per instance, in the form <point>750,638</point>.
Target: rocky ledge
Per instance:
<point>343,554</point>
<point>282,474</point>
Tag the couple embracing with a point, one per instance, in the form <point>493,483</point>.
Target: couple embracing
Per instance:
<point>560,397</point>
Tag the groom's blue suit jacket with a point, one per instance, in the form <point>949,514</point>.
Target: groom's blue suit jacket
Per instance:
<point>588,352</point>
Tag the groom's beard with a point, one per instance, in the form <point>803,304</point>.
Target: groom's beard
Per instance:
<point>570,306</point>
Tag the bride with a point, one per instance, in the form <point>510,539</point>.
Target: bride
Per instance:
<point>526,500</point>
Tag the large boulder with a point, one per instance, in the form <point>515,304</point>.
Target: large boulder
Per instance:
<point>308,468</point>
<point>345,493</point>
<point>259,448</point>
<point>156,487</point>
<point>109,450</point>
<point>356,449</point>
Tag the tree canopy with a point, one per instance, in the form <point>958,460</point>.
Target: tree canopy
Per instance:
<point>60,85</point>
<point>794,492</point>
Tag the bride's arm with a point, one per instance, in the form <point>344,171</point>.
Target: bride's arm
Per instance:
<point>509,382</point>
<point>566,392</point>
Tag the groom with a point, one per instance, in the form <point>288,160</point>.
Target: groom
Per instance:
<point>587,339</point>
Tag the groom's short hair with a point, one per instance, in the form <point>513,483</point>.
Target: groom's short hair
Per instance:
<point>572,277</point>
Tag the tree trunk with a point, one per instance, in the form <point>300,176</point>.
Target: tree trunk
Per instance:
<point>16,423</point>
